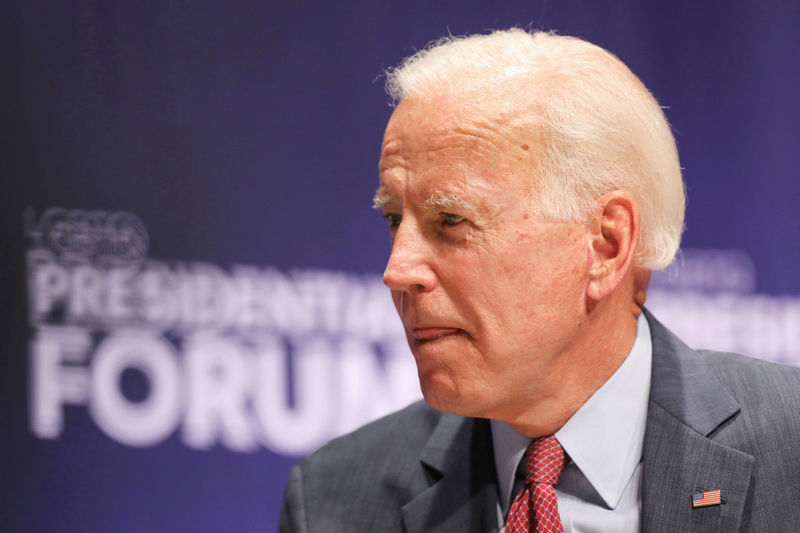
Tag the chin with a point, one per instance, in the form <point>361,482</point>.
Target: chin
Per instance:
<point>436,391</point>
<point>443,395</point>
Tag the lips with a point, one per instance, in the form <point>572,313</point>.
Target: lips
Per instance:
<point>426,334</point>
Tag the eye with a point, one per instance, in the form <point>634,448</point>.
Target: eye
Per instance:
<point>451,220</point>
<point>393,220</point>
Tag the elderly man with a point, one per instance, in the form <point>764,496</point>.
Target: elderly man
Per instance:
<point>531,183</point>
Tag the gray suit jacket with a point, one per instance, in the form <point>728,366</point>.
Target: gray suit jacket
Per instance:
<point>715,421</point>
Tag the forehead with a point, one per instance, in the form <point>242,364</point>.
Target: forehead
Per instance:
<point>458,141</point>
<point>443,121</point>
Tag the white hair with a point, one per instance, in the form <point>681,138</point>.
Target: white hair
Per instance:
<point>600,127</point>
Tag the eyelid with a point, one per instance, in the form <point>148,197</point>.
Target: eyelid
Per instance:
<point>445,216</point>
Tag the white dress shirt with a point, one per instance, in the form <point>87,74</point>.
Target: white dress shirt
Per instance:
<point>600,488</point>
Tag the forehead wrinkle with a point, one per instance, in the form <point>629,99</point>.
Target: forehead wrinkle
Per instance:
<point>469,131</point>
<point>481,136</point>
<point>390,161</point>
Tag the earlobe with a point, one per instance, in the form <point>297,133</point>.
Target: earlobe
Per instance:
<point>615,235</point>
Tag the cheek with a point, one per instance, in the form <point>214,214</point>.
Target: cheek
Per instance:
<point>547,282</point>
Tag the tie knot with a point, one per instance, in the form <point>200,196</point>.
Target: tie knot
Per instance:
<point>545,461</point>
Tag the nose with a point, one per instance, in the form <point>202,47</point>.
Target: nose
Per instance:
<point>409,267</point>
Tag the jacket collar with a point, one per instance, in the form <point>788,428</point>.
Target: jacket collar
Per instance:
<point>684,385</point>
<point>462,495</point>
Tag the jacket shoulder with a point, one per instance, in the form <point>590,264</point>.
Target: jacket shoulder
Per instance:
<point>400,431</point>
<point>769,393</point>
<point>360,481</point>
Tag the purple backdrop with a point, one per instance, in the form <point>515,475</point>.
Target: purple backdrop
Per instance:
<point>189,258</point>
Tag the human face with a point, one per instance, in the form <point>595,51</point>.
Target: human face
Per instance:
<point>491,297</point>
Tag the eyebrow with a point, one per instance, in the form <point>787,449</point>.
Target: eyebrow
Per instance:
<point>380,201</point>
<point>438,199</point>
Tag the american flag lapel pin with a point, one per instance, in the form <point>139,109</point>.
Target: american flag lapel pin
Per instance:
<point>704,498</point>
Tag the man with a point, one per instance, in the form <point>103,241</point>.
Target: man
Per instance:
<point>531,183</point>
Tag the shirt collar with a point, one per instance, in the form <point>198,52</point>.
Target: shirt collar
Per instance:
<point>604,437</point>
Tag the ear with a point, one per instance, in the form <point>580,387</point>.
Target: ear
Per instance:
<point>615,237</point>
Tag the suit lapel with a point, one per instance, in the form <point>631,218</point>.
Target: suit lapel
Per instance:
<point>687,406</point>
<point>462,496</point>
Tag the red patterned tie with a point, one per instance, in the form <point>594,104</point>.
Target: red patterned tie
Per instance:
<point>545,462</point>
